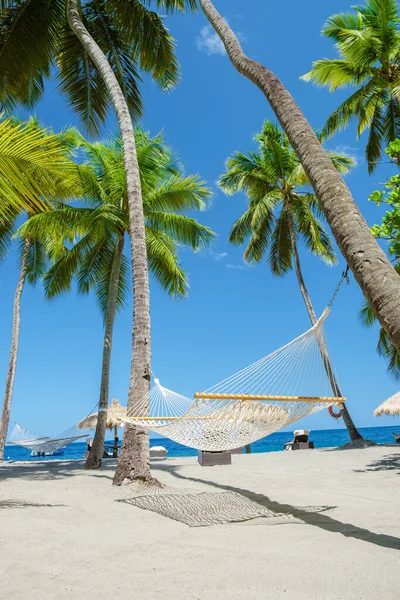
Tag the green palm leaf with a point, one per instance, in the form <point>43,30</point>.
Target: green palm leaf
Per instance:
<point>275,184</point>
<point>35,168</point>
<point>385,347</point>
<point>368,43</point>
<point>93,230</point>
<point>281,253</point>
<point>35,37</point>
<point>164,264</point>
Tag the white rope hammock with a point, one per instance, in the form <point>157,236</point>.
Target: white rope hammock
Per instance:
<point>31,441</point>
<point>270,394</point>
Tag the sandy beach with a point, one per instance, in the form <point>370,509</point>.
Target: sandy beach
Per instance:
<point>321,524</point>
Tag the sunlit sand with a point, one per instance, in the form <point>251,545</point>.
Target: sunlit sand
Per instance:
<point>315,524</point>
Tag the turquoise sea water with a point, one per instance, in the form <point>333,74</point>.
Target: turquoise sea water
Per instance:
<point>326,438</point>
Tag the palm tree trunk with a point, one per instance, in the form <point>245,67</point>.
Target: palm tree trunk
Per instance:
<point>378,280</point>
<point>12,365</point>
<point>97,450</point>
<point>351,428</point>
<point>134,461</point>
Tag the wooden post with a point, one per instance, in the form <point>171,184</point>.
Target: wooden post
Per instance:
<point>115,450</point>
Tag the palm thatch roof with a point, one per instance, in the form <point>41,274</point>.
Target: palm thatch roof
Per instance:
<point>391,406</point>
<point>115,412</point>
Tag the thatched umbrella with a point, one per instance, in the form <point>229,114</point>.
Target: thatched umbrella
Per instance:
<point>391,406</point>
<point>114,415</point>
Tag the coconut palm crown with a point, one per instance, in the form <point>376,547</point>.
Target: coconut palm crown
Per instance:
<point>36,43</point>
<point>278,194</point>
<point>82,240</point>
<point>368,43</point>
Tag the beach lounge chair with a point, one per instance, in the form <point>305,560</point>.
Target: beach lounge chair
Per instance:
<point>300,441</point>
<point>210,459</point>
<point>158,452</point>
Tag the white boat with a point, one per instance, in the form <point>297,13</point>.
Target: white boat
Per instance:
<point>58,452</point>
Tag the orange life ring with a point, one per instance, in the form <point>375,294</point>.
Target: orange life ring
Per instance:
<point>333,414</point>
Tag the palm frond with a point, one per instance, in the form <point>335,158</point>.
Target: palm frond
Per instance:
<point>123,286</point>
<point>184,230</point>
<point>59,277</point>
<point>164,264</point>
<point>367,315</point>
<point>79,80</point>
<point>342,22</point>
<point>146,37</point>
<point>244,172</point>
<point>336,73</point>
<point>388,350</point>
<point>391,120</point>
<point>7,226</point>
<point>34,168</point>
<point>172,6</point>
<point>242,228</point>
<point>37,261</point>
<point>343,162</point>
<point>373,149</point>
<point>281,252</point>
<point>179,193</point>
<point>28,41</point>
<point>311,230</point>
<point>350,108</point>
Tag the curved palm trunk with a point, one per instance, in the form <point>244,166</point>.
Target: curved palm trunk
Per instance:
<point>351,428</point>
<point>134,461</point>
<point>12,365</point>
<point>378,280</point>
<point>97,451</point>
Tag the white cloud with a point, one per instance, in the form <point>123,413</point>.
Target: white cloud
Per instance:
<point>209,42</point>
<point>240,267</point>
<point>218,256</point>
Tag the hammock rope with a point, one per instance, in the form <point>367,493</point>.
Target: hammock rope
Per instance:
<point>31,441</point>
<point>272,393</point>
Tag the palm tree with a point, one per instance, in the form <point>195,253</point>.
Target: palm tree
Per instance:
<point>368,43</point>
<point>34,171</point>
<point>97,258</point>
<point>281,211</point>
<point>371,268</point>
<point>116,38</point>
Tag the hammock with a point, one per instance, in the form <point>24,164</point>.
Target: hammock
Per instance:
<point>42,445</point>
<point>274,392</point>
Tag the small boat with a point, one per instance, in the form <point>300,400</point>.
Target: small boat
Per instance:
<point>58,452</point>
<point>396,437</point>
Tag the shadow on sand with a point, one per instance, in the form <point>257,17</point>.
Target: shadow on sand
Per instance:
<point>52,469</point>
<point>391,462</point>
<point>313,518</point>
<point>23,504</point>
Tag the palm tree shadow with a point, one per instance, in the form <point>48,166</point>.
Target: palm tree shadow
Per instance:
<point>23,504</point>
<point>50,470</point>
<point>316,519</point>
<point>391,462</point>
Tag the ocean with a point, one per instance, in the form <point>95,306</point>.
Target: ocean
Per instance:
<point>326,438</point>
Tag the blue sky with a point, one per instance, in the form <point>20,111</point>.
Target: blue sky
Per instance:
<point>234,314</point>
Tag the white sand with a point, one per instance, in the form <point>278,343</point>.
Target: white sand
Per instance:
<point>64,535</point>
